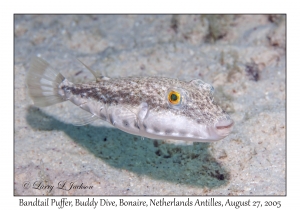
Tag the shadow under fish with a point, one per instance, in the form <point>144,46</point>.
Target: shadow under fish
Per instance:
<point>181,164</point>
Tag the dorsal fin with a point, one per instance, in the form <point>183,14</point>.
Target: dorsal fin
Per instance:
<point>98,78</point>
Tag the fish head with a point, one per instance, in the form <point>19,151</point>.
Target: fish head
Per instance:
<point>187,113</point>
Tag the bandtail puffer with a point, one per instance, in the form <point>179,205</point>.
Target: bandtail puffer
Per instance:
<point>153,107</point>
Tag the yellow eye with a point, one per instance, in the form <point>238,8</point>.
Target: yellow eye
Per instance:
<point>174,97</point>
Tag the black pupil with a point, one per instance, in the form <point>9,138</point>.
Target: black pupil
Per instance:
<point>173,97</point>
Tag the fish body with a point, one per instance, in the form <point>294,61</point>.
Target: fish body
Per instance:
<point>153,107</point>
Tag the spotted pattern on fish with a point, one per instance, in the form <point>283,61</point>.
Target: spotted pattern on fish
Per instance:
<point>131,91</point>
<point>154,107</point>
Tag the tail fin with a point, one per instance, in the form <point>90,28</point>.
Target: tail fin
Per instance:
<point>43,83</point>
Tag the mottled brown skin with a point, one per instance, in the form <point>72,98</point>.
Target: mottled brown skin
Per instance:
<point>197,105</point>
<point>157,108</point>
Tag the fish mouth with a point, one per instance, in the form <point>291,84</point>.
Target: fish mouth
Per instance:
<point>224,127</point>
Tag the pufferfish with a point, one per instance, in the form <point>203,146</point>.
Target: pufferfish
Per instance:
<point>152,107</point>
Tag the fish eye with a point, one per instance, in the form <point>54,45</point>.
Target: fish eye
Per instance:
<point>174,97</point>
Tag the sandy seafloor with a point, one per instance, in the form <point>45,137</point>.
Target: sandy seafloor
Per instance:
<point>242,56</point>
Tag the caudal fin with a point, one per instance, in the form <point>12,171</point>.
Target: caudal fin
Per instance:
<point>43,83</point>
